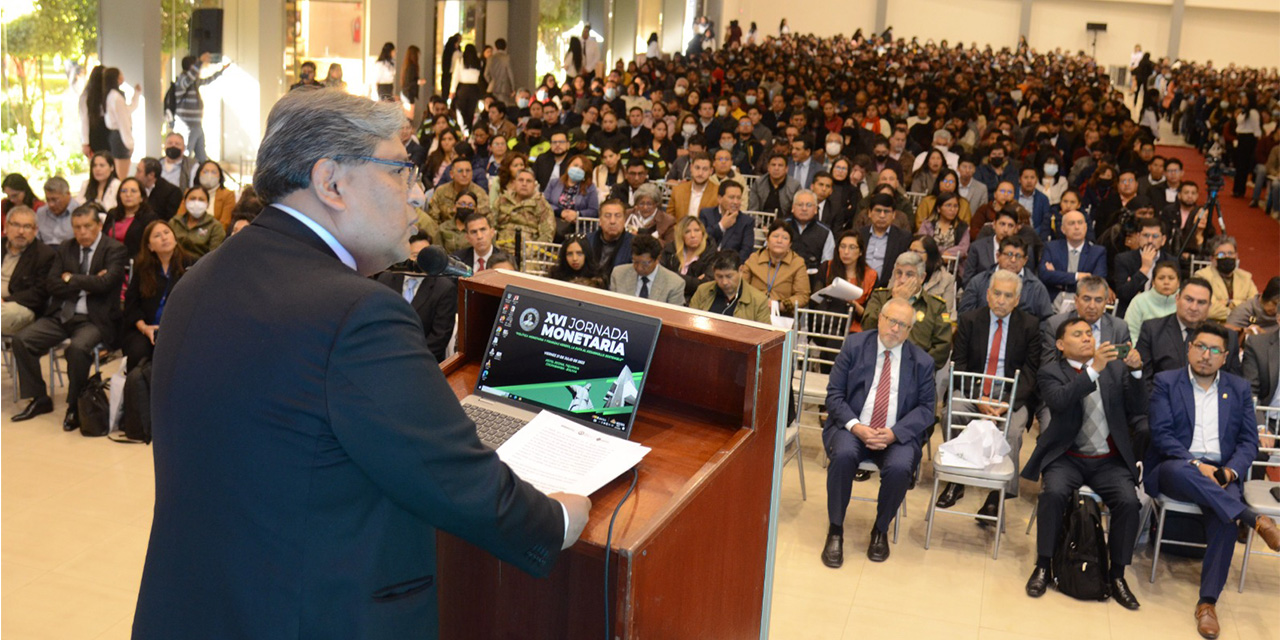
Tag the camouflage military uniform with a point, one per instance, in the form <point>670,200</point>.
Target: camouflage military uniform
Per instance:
<point>533,216</point>
<point>932,330</point>
<point>441,206</point>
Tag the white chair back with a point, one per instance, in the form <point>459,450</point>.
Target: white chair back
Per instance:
<point>585,226</point>
<point>914,197</point>
<point>537,258</point>
<point>978,389</point>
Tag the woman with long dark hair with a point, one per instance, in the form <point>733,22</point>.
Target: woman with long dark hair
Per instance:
<point>159,263</point>
<point>126,221</point>
<point>119,118</point>
<point>850,263</point>
<point>102,184</point>
<point>439,161</point>
<point>577,264</point>
<point>452,47</point>
<point>93,123</point>
<point>409,75</point>
<point>573,58</point>
<point>467,92</point>
<point>384,73</point>
<point>17,191</point>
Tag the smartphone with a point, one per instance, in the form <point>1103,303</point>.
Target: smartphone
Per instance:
<point>1122,351</point>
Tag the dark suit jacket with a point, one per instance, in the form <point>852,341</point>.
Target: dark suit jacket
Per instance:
<point>982,256</point>
<point>1063,391</point>
<point>165,199</point>
<point>899,241</point>
<point>436,303</point>
<point>1262,364</point>
<point>132,237</point>
<point>103,300</point>
<point>741,237</point>
<point>1093,260</point>
<point>1162,348</point>
<point>1021,349</point>
<point>850,385</point>
<point>622,191</point>
<point>545,164</point>
<point>1127,278</point>
<point>1173,423</point>
<point>1114,330</point>
<point>29,284</point>
<point>307,446</point>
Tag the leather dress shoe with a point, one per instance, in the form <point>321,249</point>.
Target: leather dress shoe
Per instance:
<point>951,495</point>
<point>1207,621</point>
<point>878,550</point>
<point>1123,595</point>
<point>833,551</point>
<point>72,420</point>
<point>861,476</point>
<point>37,406</point>
<point>990,508</point>
<point>1269,532</point>
<point>1038,583</point>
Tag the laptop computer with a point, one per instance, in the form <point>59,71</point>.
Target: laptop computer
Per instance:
<point>582,361</point>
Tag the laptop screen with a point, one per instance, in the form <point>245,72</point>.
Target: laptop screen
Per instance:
<point>580,360</point>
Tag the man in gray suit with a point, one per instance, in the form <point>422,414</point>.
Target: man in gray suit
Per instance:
<point>644,277</point>
<point>1262,367</point>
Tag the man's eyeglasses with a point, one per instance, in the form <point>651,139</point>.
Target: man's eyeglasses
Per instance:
<point>403,164</point>
<point>898,324</point>
<point>1202,348</point>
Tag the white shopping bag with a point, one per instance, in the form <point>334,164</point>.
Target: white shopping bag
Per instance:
<point>115,396</point>
<point>979,445</point>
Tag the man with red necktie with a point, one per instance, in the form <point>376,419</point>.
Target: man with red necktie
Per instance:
<point>880,400</point>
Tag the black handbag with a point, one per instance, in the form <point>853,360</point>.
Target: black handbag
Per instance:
<point>94,408</point>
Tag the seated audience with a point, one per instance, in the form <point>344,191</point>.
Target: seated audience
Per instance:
<point>577,264</point>
<point>1231,285</point>
<point>695,194</point>
<point>1098,406</point>
<point>102,183</point>
<point>938,282</point>
<point>689,254</point>
<point>1013,258</point>
<point>647,217</point>
<point>813,240</point>
<point>573,194</point>
<point>240,220</point>
<point>645,277</point>
<point>611,241</point>
<point>778,271</point>
<point>1072,258</point>
<point>1158,301</point>
<point>27,260</point>
<point>195,227</point>
<point>17,191</point>
<point>637,174</point>
<point>435,300</point>
<point>127,221</point>
<point>884,241</point>
<point>997,339</point>
<point>1261,366</point>
<point>222,201</point>
<point>1257,314</point>
<point>84,306</point>
<point>875,368</point>
<point>521,210</point>
<point>1204,437</point>
<point>54,218</point>
<point>850,263</point>
<point>725,222</point>
<point>1001,198</point>
<point>773,191</point>
<point>164,197</point>
<point>1029,197</point>
<point>984,252</point>
<point>512,164</point>
<point>158,266</point>
<point>1133,272</point>
<point>932,328</point>
<point>726,294</point>
<point>445,195</point>
<point>1162,341</point>
<point>480,235</point>
<point>947,227</point>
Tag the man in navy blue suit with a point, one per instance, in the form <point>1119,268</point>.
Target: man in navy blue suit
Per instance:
<point>1203,439</point>
<point>1031,198</point>
<point>307,444</point>
<point>726,223</point>
<point>1071,258</point>
<point>879,403</point>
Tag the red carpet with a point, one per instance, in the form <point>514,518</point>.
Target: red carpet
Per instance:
<point>1257,233</point>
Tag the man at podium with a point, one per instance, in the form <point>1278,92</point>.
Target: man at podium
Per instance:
<point>307,444</point>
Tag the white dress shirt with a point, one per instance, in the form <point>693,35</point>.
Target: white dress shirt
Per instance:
<point>343,255</point>
<point>475,260</point>
<point>869,406</point>
<point>1204,437</point>
<point>82,304</point>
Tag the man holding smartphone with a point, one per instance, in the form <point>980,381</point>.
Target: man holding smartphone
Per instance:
<point>1203,440</point>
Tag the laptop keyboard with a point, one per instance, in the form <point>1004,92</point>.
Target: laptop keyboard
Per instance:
<point>493,428</point>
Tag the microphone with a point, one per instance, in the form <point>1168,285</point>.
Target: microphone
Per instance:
<point>435,262</point>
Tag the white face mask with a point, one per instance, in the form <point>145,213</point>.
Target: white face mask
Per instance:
<point>197,208</point>
<point>208,181</point>
<point>689,129</point>
<point>833,149</point>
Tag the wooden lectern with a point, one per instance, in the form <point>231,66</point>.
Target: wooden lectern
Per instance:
<point>691,547</point>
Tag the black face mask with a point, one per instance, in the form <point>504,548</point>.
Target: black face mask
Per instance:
<point>1226,265</point>
<point>173,153</point>
<point>882,157</point>
<point>461,213</point>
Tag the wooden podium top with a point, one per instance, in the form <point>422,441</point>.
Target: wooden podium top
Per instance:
<point>700,401</point>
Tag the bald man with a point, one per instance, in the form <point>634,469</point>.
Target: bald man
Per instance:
<point>1070,259</point>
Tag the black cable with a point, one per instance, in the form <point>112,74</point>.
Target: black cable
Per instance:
<point>608,544</point>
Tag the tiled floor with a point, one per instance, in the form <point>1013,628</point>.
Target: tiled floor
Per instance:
<point>76,513</point>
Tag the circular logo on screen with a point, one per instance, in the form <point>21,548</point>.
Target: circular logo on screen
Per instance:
<point>529,319</point>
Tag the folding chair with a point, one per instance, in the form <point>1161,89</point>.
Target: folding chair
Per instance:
<point>1164,505</point>
<point>972,387</point>
<point>1257,493</point>
<point>914,198</point>
<point>762,220</point>
<point>56,369</point>
<point>750,180</point>
<point>537,258</point>
<point>1198,264</point>
<point>818,338</point>
<point>584,226</point>
<point>951,262</point>
<point>665,187</point>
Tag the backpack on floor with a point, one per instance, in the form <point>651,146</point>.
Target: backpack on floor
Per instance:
<point>137,403</point>
<point>94,408</point>
<point>1080,563</point>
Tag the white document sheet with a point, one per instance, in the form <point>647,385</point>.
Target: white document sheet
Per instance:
<point>839,289</point>
<point>554,454</point>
